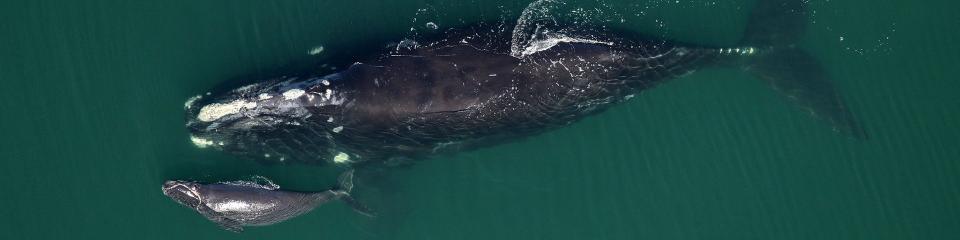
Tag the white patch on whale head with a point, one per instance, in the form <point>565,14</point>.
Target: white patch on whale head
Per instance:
<point>293,94</point>
<point>200,142</point>
<point>264,96</point>
<point>338,129</point>
<point>341,158</point>
<point>216,111</point>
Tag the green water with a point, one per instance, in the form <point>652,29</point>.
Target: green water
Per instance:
<point>91,119</point>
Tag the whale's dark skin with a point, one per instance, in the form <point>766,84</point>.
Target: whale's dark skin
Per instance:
<point>233,205</point>
<point>466,89</point>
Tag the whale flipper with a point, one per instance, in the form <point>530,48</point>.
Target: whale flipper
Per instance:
<point>344,186</point>
<point>229,225</point>
<point>774,27</point>
<point>357,206</point>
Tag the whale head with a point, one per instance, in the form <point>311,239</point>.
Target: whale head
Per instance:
<point>265,121</point>
<point>183,192</point>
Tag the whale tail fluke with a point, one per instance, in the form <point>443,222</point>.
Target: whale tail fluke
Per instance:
<point>773,29</point>
<point>343,189</point>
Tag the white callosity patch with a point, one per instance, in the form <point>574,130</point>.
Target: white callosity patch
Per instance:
<point>341,158</point>
<point>338,129</point>
<point>552,41</point>
<point>293,94</point>
<point>218,110</point>
<point>200,142</point>
<point>264,96</point>
<point>327,97</point>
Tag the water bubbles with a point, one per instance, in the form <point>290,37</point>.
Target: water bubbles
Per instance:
<point>315,50</point>
<point>432,25</point>
<point>544,20</point>
<point>407,44</point>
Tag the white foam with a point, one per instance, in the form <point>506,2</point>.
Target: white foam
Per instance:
<point>191,100</point>
<point>341,158</point>
<point>528,21</point>
<point>246,88</point>
<point>264,96</point>
<point>200,142</point>
<point>256,181</point>
<point>293,94</point>
<point>315,50</point>
<point>548,43</point>
<point>216,111</point>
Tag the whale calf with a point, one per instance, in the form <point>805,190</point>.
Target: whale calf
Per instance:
<point>233,205</point>
<point>472,86</point>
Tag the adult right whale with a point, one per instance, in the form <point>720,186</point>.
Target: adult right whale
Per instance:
<point>478,85</point>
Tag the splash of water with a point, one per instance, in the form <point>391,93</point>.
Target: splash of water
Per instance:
<point>536,17</point>
<point>255,181</point>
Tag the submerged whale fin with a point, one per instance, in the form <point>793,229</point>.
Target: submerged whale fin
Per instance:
<point>799,77</point>
<point>773,29</point>
<point>344,186</point>
<point>229,225</point>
